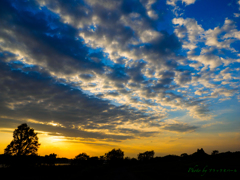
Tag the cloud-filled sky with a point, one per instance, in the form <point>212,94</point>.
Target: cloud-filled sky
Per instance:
<point>92,75</point>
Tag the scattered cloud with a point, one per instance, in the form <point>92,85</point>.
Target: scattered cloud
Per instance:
<point>94,69</point>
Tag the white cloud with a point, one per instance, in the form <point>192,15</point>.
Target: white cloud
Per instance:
<point>215,37</point>
<point>190,29</point>
<point>149,35</point>
<point>173,2</point>
<point>108,4</point>
<point>150,12</point>
<point>188,2</point>
<point>200,92</point>
<point>191,33</point>
<point>238,97</point>
<point>236,14</point>
<point>207,57</point>
<point>112,37</point>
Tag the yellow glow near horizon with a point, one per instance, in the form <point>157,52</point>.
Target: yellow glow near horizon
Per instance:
<point>169,143</point>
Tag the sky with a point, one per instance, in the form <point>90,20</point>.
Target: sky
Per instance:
<point>139,75</point>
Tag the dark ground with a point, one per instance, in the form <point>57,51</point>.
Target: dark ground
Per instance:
<point>137,170</point>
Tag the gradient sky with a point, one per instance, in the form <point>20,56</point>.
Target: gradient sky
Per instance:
<point>139,75</point>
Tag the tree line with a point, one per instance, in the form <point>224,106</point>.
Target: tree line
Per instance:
<point>22,150</point>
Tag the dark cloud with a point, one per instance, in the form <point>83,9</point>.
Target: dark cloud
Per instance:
<point>184,77</point>
<point>51,50</point>
<point>49,43</point>
<point>61,131</point>
<point>164,82</point>
<point>132,6</point>
<point>135,72</point>
<point>148,92</point>
<point>92,85</point>
<point>31,95</point>
<point>149,102</point>
<point>158,86</point>
<point>9,123</point>
<point>161,51</point>
<point>87,76</point>
<point>71,58</point>
<point>137,132</point>
<point>180,127</point>
<point>118,74</point>
<point>124,91</point>
<point>134,85</point>
<point>77,10</point>
<point>113,94</point>
<point>110,26</point>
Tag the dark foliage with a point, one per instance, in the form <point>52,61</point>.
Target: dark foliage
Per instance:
<point>146,156</point>
<point>113,165</point>
<point>215,152</point>
<point>25,142</point>
<point>80,159</point>
<point>50,159</point>
<point>115,155</point>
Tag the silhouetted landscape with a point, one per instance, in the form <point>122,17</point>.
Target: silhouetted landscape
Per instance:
<point>20,157</point>
<point>113,165</point>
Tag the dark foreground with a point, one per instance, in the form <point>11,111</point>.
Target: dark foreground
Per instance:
<point>227,169</point>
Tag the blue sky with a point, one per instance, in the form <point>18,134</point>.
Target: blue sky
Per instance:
<point>115,71</point>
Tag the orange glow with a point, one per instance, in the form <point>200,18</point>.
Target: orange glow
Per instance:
<point>170,143</point>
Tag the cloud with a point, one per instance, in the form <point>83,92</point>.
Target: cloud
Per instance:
<point>87,76</point>
<point>29,96</point>
<point>118,74</point>
<point>187,2</point>
<point>230,34</point>
<point>35,43</point>
<point>236,14</point>
<point>238,2</point>
<point>200,92</point>
<point>96,66</point>
<point>217,39</point>
<point>183,77</point>
<point>180,128</point>
<point>207,57</point>
<point>150,11</point>
<point>188,29</point>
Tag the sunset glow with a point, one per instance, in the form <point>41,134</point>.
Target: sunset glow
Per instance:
<point>139,75</point>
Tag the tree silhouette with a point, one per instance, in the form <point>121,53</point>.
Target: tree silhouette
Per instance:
<point>25,142</point>
<point>215,152</point>
<point>127,158</point>
<point>115,155</point>
<point>184,155</point>
<point>82,156</point>
<point>51,159</point>
<point>146,155</point>
<point>79,159</point>
<point>200,153</point>
<point>103,158</point>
